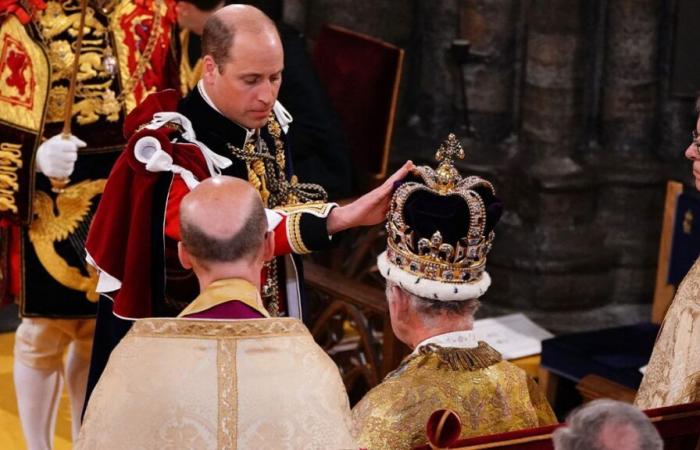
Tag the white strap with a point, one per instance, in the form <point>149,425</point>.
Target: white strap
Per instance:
<point>147,150</point>
<point>215,162</point>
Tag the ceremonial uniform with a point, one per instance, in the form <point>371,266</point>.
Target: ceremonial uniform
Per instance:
<point>133,239</point>
<point>122,59</point>
<point>146,195</point>
<point>454,372</point>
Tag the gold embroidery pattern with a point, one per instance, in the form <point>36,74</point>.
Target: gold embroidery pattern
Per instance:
<point>294,233</point>
<point>10,163</point>
<point>688,222</point>
<point>73,206</point>
<point>133,86</point>
<point>497,398</point>
<point>480,357</point>
<point>189,75</point>
<point>95,95</point>
<point>669,378</point>
<point>212,329</point>
<point>318,209</point>
<point>228,394</point>
<point>24,77</point>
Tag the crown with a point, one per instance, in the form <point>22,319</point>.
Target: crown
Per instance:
<point>439,225</point>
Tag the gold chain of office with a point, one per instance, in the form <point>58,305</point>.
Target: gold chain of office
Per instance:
<point>266,173</point>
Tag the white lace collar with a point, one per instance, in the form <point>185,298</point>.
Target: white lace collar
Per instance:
<point>454,339</point>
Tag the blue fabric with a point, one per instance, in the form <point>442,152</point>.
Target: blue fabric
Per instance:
<point>613,353</point>
<point>685,245</point>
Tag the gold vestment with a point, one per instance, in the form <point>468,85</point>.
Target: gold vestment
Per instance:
<point>673,374</point>
<point>226,384</point>
<point>489,395</point>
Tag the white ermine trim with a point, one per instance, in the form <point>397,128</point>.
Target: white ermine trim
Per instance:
<point>430,289</point>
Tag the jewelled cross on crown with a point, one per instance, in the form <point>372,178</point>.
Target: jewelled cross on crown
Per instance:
<point>446,174</point>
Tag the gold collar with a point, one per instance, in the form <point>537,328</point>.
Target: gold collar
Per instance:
<point>222,291</point>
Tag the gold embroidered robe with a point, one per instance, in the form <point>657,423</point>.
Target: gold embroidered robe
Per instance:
<point>673,374</point>
<point>227,384</point>
<point>489,395</point>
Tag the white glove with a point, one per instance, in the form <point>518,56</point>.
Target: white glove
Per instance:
<point>56,157</point>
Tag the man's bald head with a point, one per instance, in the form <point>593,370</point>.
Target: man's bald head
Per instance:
<point>222,220</point>
<point>221,28</point>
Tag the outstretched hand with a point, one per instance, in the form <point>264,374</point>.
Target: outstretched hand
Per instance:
<point>371,208</point>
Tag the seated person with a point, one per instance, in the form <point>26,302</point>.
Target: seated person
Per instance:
<point>440,228</point>
<point>607,425</point>
<point>206,380</point>
<point>673,374</point>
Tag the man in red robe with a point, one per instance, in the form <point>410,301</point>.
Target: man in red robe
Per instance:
<point>230,124</point>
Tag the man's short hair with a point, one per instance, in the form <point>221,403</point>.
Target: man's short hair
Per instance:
<point>584,426</point>
<point>697,105</point>
<point>241,245</point>
<point>218,36</point>
<point>217,40</point>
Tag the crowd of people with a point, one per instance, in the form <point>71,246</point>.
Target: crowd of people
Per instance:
<point>165,259</point>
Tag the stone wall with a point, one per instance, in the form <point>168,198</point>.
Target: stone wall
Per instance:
<point>568,110</point>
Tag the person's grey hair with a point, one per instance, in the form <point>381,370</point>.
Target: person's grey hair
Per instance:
<point>697,105</point>
<point>430,308</point>
<point>584,426</point>
<point>242,244</point>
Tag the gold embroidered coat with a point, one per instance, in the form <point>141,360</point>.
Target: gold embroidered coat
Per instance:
<point>489,395</point>
<point>124,57</point>
<point>673,374</point>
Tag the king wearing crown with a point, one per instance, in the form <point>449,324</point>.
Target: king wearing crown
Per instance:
<point>440,229</point>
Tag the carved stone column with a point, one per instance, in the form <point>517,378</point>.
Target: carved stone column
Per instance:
<point>491,79</point>
<point>631,195</point>
<point>548,259</point>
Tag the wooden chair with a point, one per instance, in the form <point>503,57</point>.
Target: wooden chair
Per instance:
<point>613,355</point>
<point>361,75</point>
<point>346,329</point>
<point>678,425</point>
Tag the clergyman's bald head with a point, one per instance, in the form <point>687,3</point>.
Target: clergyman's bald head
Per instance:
<point>221,28</point>
<point>222,220</point>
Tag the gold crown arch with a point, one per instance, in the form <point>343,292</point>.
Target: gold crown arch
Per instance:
<point>433,259</point>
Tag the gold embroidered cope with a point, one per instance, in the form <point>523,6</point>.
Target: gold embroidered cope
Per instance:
<point>488,394</point>
<point>673,374</point>
<point>261,383</point>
